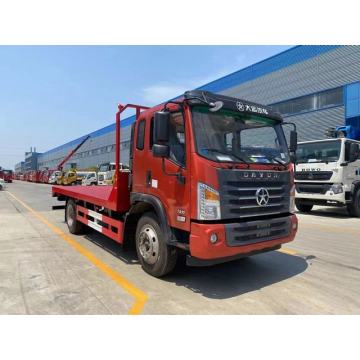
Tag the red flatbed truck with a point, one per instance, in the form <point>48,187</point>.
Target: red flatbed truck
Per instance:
<point>210,176</point>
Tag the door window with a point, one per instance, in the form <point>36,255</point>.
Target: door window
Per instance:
<point>140,135</point>
<point>177,138</point>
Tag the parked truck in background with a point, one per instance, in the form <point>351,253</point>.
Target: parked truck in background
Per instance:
<point>90,179</point>
<point>6,175</point>
<point>210,177</point>
<point>107,171</point>
<point>328,174</point>
<point>68,177</point>
<point>53,177</point>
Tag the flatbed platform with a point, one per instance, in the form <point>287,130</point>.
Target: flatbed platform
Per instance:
<point>106,196</point>
<point>99,195</point>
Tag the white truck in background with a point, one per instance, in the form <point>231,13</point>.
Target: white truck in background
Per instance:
<point>54,176</point>
<point>328,174</point>
<point>106,172</point>
<point>90,179</point>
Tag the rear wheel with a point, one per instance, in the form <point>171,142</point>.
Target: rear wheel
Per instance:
<point>75,226</point>
<point>354,207</point>
<point>305,208</point>
<point>157,258</point>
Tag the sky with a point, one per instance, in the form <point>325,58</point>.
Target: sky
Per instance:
<point>50,95</point>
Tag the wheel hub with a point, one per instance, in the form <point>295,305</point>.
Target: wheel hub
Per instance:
<point>70,215</point>
<point>149,244</point>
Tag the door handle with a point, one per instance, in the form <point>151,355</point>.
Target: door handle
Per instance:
<point>148,178</point>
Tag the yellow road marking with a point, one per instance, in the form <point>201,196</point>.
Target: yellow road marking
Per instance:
<point>287,251</point>
<point>140,296</point>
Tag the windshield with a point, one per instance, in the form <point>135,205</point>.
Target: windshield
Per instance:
<point>104,167</point>
<point>324,151</point>
<point>227,136</point>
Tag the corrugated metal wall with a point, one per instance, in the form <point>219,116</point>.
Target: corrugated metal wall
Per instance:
<point>311,126</point>
<point>330,69</point>
<point>82,159</point>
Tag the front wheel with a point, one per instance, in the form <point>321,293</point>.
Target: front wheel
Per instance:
<point>74,225</point>
<point>157,258</point>
<point>354,207</point>
<point>305,208</point>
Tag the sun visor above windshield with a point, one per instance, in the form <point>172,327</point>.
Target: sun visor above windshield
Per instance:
<point>231,103</point>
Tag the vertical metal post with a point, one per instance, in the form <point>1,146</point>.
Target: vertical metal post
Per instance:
<point>117,148</point>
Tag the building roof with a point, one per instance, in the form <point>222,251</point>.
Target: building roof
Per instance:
<point>284,59</point>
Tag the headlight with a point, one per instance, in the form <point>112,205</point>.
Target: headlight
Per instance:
<point>208,203</point>
<point>337,188</point>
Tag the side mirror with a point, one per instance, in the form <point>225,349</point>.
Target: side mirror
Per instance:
<point>161,151</point>
<point>293,141</point>
<point>161,127</point>
<point>354,152</point>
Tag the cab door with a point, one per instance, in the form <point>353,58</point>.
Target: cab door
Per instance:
<point>140,157</point>
<point>160,174</point>
<point>352,170</point>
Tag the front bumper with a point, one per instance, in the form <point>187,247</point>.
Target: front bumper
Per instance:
<point>329,198</point>
<point>202,248</point>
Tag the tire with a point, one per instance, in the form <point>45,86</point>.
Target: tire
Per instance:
<point>354,207</point>
<point>1,187</point>
<point>305,208</point>
<point>156,257</point>
<point>75,227</point>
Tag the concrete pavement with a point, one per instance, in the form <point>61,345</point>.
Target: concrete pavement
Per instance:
<point>43,273</point>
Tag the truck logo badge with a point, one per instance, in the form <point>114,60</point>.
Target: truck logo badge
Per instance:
<point>251,108</point>
<point>240,106</point>
<point>262,196</point>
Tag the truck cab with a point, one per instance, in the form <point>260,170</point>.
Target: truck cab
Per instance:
<point>54,176</point>
<point>328,174</point>
<point>67,178</point>
<point>90,179</point>
<point>7,175</point>
<point>105,173</point>
<point>222,176</point>
<point>80,176</point>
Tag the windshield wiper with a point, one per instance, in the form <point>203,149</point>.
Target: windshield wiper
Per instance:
<point>229,154</point>
<point>278,161</point>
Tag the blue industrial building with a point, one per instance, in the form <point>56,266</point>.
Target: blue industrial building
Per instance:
<point>316,87</point>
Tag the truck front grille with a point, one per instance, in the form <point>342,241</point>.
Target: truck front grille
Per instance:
<point>238,190</point>
<point>250,232</point>
<point>310,188</point>
<point>313,175</point>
